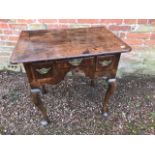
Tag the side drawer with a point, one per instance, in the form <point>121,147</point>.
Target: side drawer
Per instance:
<point>106,62</point>
<point>42,70</point>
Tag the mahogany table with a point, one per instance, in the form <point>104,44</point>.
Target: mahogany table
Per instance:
<point>48,55</point>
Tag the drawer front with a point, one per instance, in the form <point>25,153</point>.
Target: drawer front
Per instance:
<point>82,62</point>
<point>106,62</point>
<point>43,70</point>
<point>88,62</point>
<point>62,64</point>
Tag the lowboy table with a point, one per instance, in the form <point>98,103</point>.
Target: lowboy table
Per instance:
<point>48,55</point>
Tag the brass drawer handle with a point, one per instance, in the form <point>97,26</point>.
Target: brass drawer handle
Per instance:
<point>43,70</point>
<point>75,62</point>
<point>105,63</point>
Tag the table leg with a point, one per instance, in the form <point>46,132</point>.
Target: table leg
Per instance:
<point>43,89</point>
<point>111,89</point>
<point>37,101</point>
<point>92,83</point>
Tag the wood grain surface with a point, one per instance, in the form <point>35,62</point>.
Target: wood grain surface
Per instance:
<point>42,45</point>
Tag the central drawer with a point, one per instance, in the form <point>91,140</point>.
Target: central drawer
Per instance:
<point>75,63</point>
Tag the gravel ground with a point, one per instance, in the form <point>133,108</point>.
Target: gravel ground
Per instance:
<point>75,108</point>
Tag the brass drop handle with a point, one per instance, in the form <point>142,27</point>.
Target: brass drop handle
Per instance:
<point>75,62</point>
<point>43,70</point>
<point>105,63</point>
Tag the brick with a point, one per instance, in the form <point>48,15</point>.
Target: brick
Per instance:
<point>47,20</point>
<point>37,26</point>
<point>3,38</point>
<point>130,21</point>
<point>58,26</point>
<point>90,21</point>
<point>150,42</point>
<point>152,21</point>
<point>12,21</point>
<point>10,43</point>
<point>111,21</point>
<point>7,31</point>
<point>79,25</point>
<point>145,28</point>
<point>142,21</point>
<point>4,25</point>
<point>152,36</point>
<point>11,32</point>
<point>4,20</point>
<point>18,26</point>
<point>63,26</point>
<point>119,28</point>
<point>16,31</point>
<point>24,21</point>
<point>13,38</point>
<point>52,26</point>
<point>67,20</point>
<point>138,35</point>
<point>134,41</point>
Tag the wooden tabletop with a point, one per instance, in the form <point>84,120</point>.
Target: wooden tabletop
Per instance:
<point>42,45</point>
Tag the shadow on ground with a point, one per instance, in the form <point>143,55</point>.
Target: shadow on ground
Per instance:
<point>75,108</point>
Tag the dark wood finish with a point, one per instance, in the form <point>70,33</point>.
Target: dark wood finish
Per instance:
<point>48,55</point>
<point>43,89</point>
<point>38,103</point>
<point>43,45</point>
<point>110,91</point>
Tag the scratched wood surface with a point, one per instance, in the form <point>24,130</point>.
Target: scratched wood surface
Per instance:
<point>42,45</point>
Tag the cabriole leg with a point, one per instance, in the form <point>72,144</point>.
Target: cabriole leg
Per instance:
<point>92,83</point>
<point>43,89</point>
<point>110,91</point>
<point>37,101</point>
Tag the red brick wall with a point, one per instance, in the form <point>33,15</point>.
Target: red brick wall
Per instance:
<point>135,32</point>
